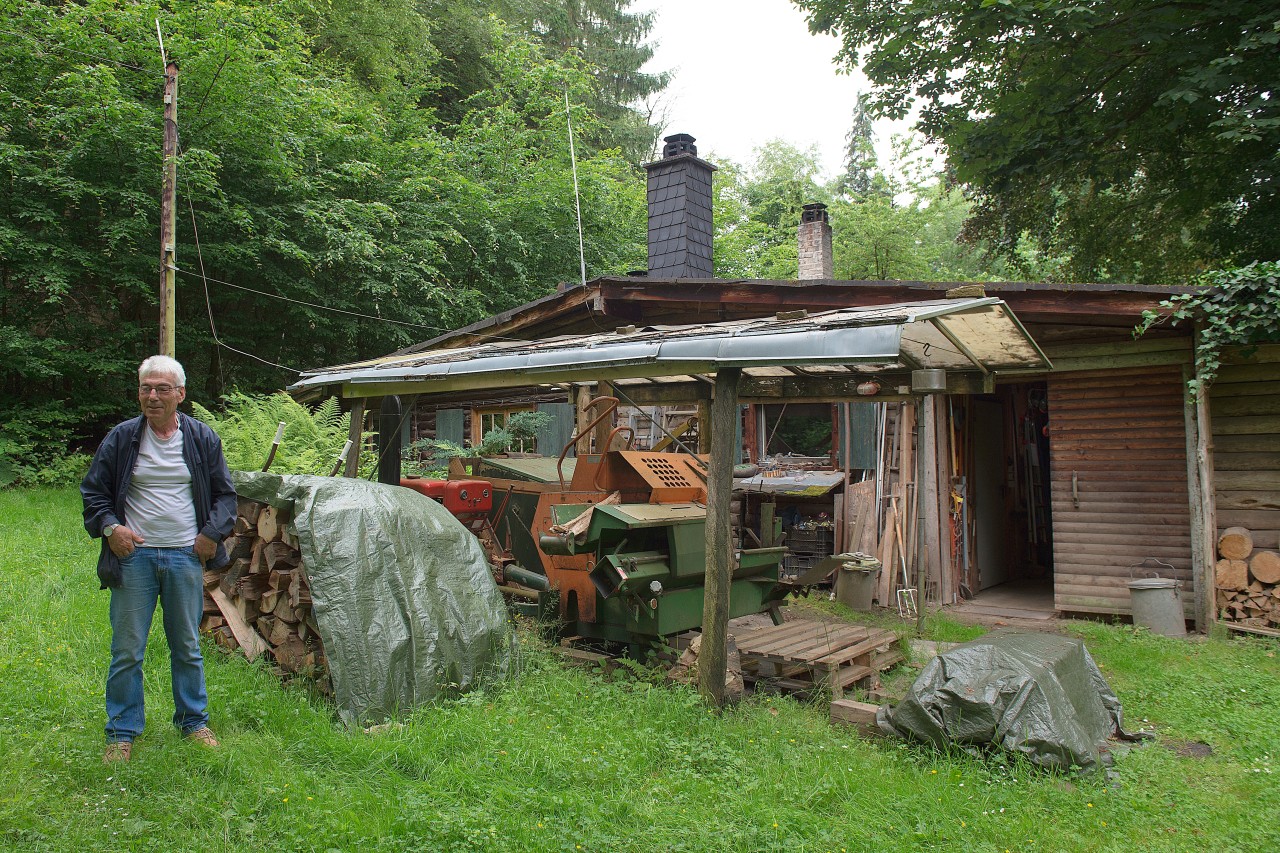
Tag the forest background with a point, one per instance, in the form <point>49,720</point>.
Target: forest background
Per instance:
<point>359,175</point>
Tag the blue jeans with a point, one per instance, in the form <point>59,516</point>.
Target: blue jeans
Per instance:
<point>175,578</point>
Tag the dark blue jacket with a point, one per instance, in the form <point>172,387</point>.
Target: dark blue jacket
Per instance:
<point>105,486</point>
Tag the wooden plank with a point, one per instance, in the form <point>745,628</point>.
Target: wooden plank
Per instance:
<point>844,655</point>
<point>760,638</point>
<point>1255,520</point>
<point>249,640</point>
<point>1135,361</point>
<point>1252,629</point>
<point>1141,345</point>
<point>1245,424</point>
<point>1263,481</point>
<point>1255,388</point>
<point>1230,375</point>
<point>1247,500</point>
<point>1138,515</point>
<point>791,647</point>
<point>826,647</point>
<point>1235,461</point>
<point>1231,406</point>
<point>860,715</point>
<point>1249,443</point>
<point>1260,354</point>
<point>1168,536</point>
<point>806,648</point>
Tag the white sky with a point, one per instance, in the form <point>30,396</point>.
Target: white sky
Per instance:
<point>748,71</point>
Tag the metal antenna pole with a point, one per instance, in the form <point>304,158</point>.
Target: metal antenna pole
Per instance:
<point>577,199</point>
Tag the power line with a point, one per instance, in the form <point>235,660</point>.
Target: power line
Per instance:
<point>58,47</point>
<point>314,304</point>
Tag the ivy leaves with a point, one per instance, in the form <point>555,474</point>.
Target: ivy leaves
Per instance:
<point>1235,308</point>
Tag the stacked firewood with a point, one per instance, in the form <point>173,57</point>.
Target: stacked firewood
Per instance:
<point>260,603</point>
<point>1248,581</point>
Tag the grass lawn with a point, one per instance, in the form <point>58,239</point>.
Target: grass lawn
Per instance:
<point>563,760</point>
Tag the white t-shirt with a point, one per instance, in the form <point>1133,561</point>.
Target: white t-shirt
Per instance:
<point>159,505</point>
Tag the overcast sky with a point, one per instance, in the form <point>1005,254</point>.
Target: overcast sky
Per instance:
<point>748,71</point>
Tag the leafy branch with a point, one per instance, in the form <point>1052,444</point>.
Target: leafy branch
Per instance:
<point>1233,308</point>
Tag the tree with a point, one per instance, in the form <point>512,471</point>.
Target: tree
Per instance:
<point>326,214</point>
<point>610,39</point>
<point>1138,136</point>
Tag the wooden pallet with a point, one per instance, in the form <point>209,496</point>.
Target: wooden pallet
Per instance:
<point>805,655</point>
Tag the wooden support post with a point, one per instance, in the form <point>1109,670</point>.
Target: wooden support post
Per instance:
<point>712,661</point>
<point>845,543</point>
<point>932,497</point>
<point>942,501</point>
<point>602,430</point>
<point>356,433</point>
<point>582,397</point>
<point>1204,532</point>
<point>706,419</point>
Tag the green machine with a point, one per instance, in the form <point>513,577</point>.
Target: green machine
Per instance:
<point>649,567</point>
<point>614,547</point>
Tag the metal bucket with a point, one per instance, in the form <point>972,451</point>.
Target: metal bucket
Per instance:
<point>1155,604</point>
<point>856,585</point>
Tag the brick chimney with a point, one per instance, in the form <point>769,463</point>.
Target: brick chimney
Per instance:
<point>815,243</point>
<point>679,211</point>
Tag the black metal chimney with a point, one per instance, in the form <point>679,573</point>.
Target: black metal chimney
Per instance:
<point>679,193</point>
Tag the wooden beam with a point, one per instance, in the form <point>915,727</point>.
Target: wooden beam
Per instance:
<point>601,433</point>
<point>582,396</point>
<point>705,418</point>
<point>959,344</point>
<point>712,661</point>
<point>1208,545</point>
<point>355,432</point>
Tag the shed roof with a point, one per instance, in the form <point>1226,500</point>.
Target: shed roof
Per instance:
<point>967,335</point>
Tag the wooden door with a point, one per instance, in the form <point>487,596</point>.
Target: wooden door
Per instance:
<point>1118,462</point>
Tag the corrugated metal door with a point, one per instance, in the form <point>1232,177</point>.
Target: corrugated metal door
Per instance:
<point>1119,474</point>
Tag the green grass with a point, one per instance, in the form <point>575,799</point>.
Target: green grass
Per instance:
<point>563,760</point>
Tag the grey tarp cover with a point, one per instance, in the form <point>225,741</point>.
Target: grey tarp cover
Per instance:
<point>1040,695</point>
<point>402,592</point>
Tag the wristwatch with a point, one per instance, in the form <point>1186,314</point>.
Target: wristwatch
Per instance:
<point>108,530</point>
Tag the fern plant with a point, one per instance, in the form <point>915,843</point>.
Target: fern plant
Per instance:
<point>313,438</point>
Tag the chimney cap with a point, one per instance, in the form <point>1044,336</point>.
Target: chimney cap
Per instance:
<point>677,144</point>
<point>814,212</point>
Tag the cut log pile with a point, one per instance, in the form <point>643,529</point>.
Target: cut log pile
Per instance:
<point>260,603</point>
<point>1248,581</point>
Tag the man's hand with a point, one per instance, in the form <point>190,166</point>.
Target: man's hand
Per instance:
<point>122,541</point>
<point>205,548</point>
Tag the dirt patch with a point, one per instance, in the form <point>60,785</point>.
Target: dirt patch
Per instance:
<point>1188,748</point>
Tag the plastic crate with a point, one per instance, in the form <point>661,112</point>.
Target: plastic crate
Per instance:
<point>812,540</point>
<point>794,564</point>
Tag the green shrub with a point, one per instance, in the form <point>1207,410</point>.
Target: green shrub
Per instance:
<point>429,457</point>
<point>313,438</point>
<point>24,464</point>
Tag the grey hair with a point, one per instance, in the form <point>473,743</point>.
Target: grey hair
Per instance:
<point>162,364</point>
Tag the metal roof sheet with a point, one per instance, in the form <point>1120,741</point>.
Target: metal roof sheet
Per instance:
<point>977,334</point>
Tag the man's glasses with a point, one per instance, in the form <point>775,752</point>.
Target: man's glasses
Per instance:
<point>162,390</point>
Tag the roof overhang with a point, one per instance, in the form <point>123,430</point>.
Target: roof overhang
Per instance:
<point>978,335</point>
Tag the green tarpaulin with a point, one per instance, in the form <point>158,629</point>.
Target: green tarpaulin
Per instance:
<point>1040,695</point>
<point>403,597</point>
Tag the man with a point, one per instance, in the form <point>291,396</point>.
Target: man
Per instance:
<point>160,496</point>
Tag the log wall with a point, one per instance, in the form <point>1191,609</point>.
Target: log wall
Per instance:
<point>1244,404</point>
<point>1121,435</point>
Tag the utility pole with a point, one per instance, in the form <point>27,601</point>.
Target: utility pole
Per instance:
<point>168,209</point>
